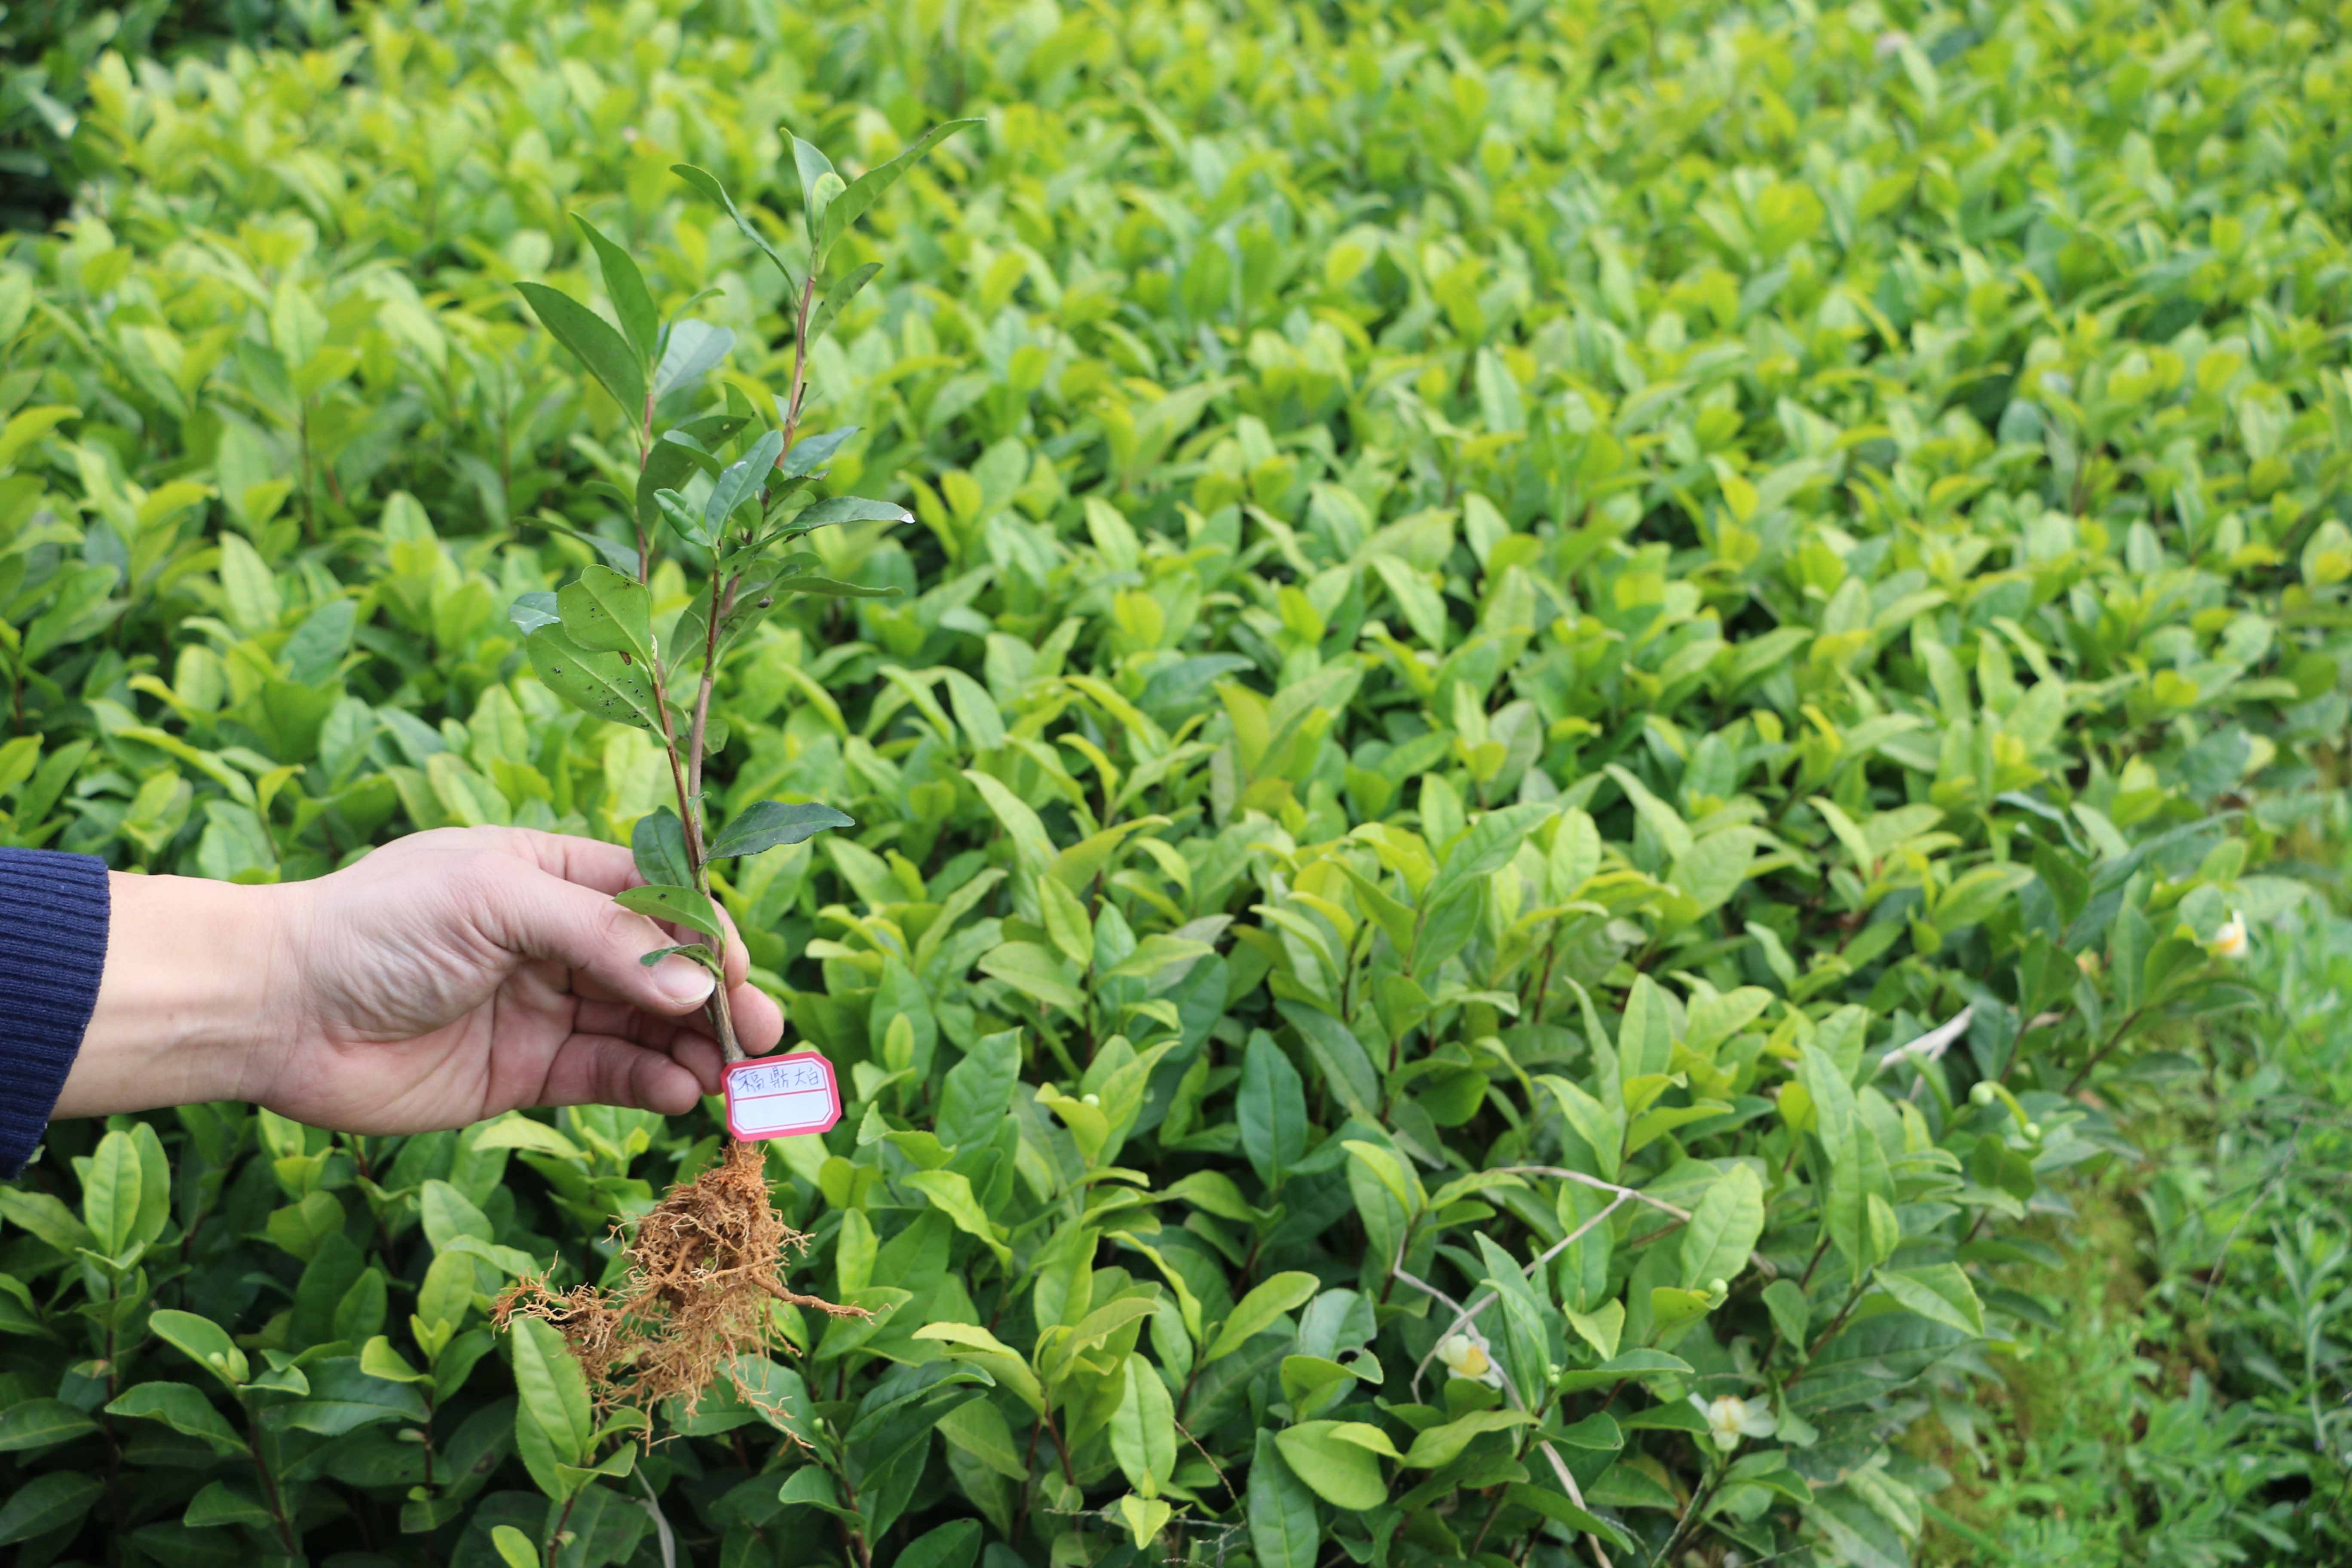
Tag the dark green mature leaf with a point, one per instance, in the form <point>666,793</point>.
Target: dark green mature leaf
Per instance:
<point>183,1408</point>
<point>774,822</point>
<point>703,181</point>
<point>47,1503</point>
<point>34,1423</point>
<point>592,340</point>
<point>678,905</point>
<point>625,287</point>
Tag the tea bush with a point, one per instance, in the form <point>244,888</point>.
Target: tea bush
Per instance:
<point>1580,687</point>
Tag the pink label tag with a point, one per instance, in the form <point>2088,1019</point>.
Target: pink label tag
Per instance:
<point>782,1097</point>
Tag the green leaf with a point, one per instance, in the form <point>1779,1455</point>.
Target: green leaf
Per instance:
<point>951,1545</point>
<point>533,610</point>
<point>47,1503</point>
<point>515,1549</point>
<point>1791,1314</point>
<point>596,683</point>
<point>679,905</point>
<point>1260,1310</point>
<point>771,823</point>
<point>34,1423</point>
<point>1348,1069</point>
<point>829,588</point>
<point>837,299</point>
<point>1724,1228</point>
<point>862,192</point>
<point>1340,1472</point>
<point>552,1420</point>
<point>181,1408</point>
<point>847,509</point>
<point>110,1193</point>
<point>1442,1445</point>
<point>1270,1111</point>
<point>625,287</point>
<point>950,1193</point>
<point>706,182</point>
<point>812,452</point>
<point>604,612</point>
<point>1143,1428</point>
<point>606,353</point>
<point>739,483</point>
<point>1486,849</point>
<point>819,183</point>
<point>221,1503</point>
<point>1939,1292</point>
<point>1857,1165</point>
<point>692,350</point>
<point>203,1341</point>
<point>1284,1527</point>
<point>657,842</point>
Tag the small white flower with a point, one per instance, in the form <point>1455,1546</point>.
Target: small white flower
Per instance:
<point>1464,1356</point>
<point>1729,1418</point>
<point>1890,44</point>
<point>2230,941</point>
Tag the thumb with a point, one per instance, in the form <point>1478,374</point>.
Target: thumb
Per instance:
<point>544,916</point>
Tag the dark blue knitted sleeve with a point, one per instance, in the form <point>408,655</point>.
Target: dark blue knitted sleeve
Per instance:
<point>53,917</point>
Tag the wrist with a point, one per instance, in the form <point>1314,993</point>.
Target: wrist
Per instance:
<point>195,972</point>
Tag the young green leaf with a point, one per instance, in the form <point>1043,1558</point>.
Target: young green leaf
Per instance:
<point>820,183</point>
<point>678,905</point>
<point>837,297</point>
<point>740,481</point>
<point>864,191</point>
<point>659,844</point>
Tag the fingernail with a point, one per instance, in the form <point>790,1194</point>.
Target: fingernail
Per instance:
<point>684,982</point>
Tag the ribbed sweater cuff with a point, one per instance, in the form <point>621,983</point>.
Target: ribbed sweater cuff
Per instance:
<point>53,921</point>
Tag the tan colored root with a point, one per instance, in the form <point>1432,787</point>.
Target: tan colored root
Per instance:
<point>704,1266</point>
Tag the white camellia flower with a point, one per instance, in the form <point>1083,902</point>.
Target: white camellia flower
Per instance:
<point>1464,1356</point>
<point>2230,941</point>
<point>1729,1418</point>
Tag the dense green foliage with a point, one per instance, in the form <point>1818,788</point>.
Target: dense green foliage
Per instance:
<point>2191,1361</point>
<point>1508,604</point>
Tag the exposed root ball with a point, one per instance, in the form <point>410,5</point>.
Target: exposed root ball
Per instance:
<point>704,1266</point>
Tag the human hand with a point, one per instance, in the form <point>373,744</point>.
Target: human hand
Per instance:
<point>447,977</point>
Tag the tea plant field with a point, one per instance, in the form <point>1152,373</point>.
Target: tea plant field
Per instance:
<point>1600,817</point>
